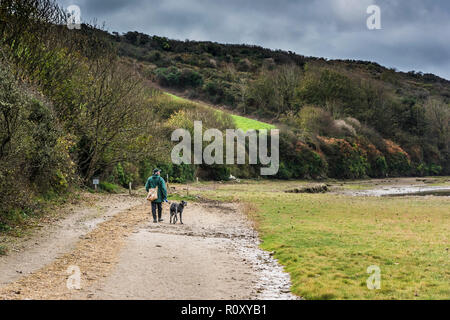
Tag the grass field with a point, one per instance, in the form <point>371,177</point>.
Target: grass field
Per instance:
<point>243,123</point>
<point>327,241</point>
<point>248,124</point>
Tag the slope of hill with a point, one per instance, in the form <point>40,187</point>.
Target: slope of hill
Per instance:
<point>243,123</point>
<point>306,94</point>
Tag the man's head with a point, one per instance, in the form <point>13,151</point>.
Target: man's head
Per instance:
<point>157,171</point>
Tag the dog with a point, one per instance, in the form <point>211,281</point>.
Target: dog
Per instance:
<point>176,209</point>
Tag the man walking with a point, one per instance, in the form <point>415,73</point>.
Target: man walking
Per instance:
<point>157,181</point>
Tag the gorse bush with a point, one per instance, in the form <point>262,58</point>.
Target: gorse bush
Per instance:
<point>298,160</point>
<point>345,160</point>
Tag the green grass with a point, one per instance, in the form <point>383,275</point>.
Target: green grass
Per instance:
<point>243,123</point>
<point>110,187</point>
<point>326,242</point>
<point>177,197</point>
<point>177,98</point>
<point>248,124</point>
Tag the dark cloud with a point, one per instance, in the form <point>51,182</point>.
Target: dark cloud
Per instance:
<point>414,33</point>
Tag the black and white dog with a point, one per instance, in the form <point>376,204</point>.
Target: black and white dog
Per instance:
<point>175,209</point>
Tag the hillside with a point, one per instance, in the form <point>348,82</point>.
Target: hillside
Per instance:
<point>243,123</point>
<point>411,109</point>
<point>198,66</point>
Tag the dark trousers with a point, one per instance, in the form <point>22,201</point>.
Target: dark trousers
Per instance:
<point>154,206</point>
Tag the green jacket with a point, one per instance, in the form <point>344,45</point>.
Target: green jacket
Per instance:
<point>156,181</point>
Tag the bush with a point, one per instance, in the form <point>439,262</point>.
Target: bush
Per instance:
<point>153,56</point>
<point>298,160</point>
<point>34,152</point>
<point>435,169</point>
<point>123,174</point>
<point>398,164</point>
<point>190,78</point>
<point>169,77</point>
<point>345,160</point>
<point>176,78</point>
<point>379,168</point>
<point>315,120</point>
<point>177,173</point>
<point>215,172</point>
<point>109,187</point>
<point>214,90</point>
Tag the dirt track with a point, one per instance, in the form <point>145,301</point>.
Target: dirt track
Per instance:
<point>122,255</point>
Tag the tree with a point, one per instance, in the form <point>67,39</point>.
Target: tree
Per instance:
<point>437,115</point>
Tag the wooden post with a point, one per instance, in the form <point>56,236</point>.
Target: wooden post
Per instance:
<point>96,181</point>
<point>130,188</point>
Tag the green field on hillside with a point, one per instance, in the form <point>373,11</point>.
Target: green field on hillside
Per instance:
<point>248,124</point>
<point>241,122</point>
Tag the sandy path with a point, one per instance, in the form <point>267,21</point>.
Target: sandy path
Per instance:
<point>215,255</point>
<point>60,235</point>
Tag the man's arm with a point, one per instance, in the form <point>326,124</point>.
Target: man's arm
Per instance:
<point>163,189</point>
<point>147,185</point>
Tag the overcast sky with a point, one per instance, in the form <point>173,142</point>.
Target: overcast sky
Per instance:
<point>415,34</point>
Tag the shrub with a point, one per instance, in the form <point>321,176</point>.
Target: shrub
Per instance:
<point>345,160</point>
<point>397,159</point>
<point>123,174</point>
<point>153,56</point>
<point>214,89</point>
<point>34,152</point>
<point>174,77</point>
<point>190,78</point>
<point>169,77</point>
<point>398,164</point>
<point>109,187</point>
<point>215,172</point>
<point>435,169</point>
<point>298,160</point>
<point>177,173</point>
<point>379,168</point>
